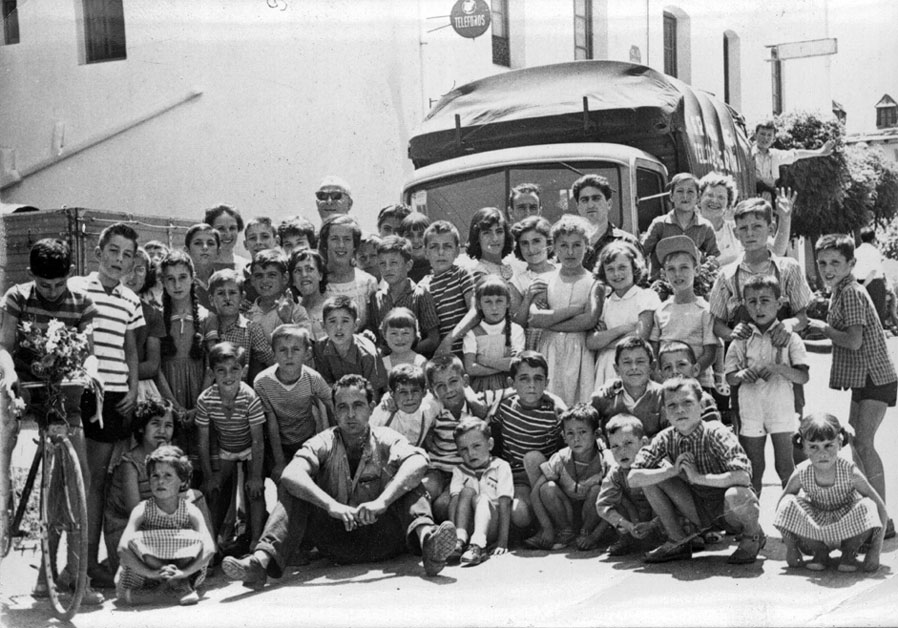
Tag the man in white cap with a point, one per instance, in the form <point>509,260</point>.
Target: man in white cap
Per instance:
<point>333,197</point>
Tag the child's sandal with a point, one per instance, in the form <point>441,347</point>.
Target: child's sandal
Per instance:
<point>563,538</point>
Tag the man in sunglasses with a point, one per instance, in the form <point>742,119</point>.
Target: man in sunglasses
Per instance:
<point>333,197</point>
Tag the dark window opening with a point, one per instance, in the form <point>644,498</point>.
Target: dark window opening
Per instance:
<point>583,34</point>
<point>10,22</point>
<point>104,30</point>
<point>501,48</point>
<point>670,44</point>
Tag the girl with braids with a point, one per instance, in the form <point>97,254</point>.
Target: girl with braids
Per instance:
<point>575,304</point>
<point>489,347</point>
<point>183,364</point>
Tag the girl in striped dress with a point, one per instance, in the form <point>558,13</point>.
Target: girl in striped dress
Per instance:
<point>828,503</point>
<point>166,545</point>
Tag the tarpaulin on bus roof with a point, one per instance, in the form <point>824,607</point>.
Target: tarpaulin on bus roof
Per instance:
<point>624,103</point>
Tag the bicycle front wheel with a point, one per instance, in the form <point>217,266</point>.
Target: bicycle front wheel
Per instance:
<point>64,518</point>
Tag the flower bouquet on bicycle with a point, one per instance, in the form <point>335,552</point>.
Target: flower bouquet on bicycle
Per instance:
<point>52,367</point>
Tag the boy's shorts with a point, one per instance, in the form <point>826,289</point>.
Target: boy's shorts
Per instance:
<point>520,477</point>
<point>886,393</point>
<point>760,425</point>
<point>445,477</point>
<point>116,426</point>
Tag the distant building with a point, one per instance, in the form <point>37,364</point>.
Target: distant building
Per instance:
<point>886,135</point>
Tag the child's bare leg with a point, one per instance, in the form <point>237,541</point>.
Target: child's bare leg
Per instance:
<point>782,455</point>
<point>257,515</point>
<point>543,518</point>
<point>664,507</point>
<point>794,557</point>
<point>865,418</point>
<point>98,455</point>
<point>521,509</point>
<point>850,547</point>
<point>678,492</point>
<point>871,558</point>
<point>464,514</point>
<point>439,495</point>
<point>557,505</point>
<point>221,499</point>
<point>593,526</point>
<point>820,555</point>
<point>485,520</point>
<point>754,449</point>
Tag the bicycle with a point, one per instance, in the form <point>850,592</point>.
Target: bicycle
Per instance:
<point>63,508</point>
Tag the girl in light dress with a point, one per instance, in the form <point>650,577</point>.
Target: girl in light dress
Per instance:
<point>183,363</point>
<point>308,274</point>
<point>575,302</point>
<point>399,329</point>
<point>166,545</point>
<point>339,240</point>
<point>533,245</point>
<point>828,503</point>
<point>628,309</point>
<point>489,347</point>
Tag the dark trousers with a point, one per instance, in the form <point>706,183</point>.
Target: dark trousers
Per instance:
<point>876,288</point>
<point>294,520</point>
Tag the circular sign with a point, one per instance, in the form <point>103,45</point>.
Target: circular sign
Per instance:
<point>470,18</point>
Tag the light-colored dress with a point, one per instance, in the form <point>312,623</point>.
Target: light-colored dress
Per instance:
<point>166,537</point>
<point>619,311</point>
<point>359,289</point>
<point>489,341</point>
<point>571,364</point>
<point>522,280</point>
<point>830,514</point>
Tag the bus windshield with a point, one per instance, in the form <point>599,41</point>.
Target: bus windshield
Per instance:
<point>456,198</point>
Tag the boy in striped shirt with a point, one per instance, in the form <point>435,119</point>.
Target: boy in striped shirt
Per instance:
<point>119,316</point>
<point>450,286</point>
<point>289,391</point>
<point>526,428</point>
<point>232,408</point>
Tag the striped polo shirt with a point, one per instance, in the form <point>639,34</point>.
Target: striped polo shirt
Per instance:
<point>118,311</point>
<point>233,432</point>
<point>292,403</point>
<point>526,429</point>
<point>448,290</point>
<point>24,303</point>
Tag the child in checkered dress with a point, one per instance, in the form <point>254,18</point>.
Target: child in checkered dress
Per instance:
<point>828,503</point>
<point>166,546</point>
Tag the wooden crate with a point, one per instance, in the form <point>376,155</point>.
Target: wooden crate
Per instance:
<point>81,228</point>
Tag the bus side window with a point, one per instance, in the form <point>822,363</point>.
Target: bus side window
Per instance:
<point>649,184</point>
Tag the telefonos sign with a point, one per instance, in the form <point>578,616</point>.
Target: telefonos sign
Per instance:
<point>470,18</point>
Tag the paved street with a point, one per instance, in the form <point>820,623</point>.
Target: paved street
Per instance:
<point>536,588</point>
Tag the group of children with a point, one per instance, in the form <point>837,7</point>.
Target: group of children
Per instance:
<point>561,406</point>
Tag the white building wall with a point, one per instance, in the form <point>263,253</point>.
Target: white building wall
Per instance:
<point>338,86</point>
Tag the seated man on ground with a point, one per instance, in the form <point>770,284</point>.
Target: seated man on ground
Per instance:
<point>355,492</point>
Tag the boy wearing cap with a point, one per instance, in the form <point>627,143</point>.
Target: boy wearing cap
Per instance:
<point>684,316</point>
<point>333,197</point>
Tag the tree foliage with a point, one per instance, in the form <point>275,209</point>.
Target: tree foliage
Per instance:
<point>822,183</point>
<point>840,193</point>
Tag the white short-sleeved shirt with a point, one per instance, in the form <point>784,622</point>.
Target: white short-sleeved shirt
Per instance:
<point>626,309</point>
<point>691,323</point>
<point>413,425</point>
<point>767,165</point>
<point>517,337</point>
<point>496,480</point>
<point>772,398</point>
